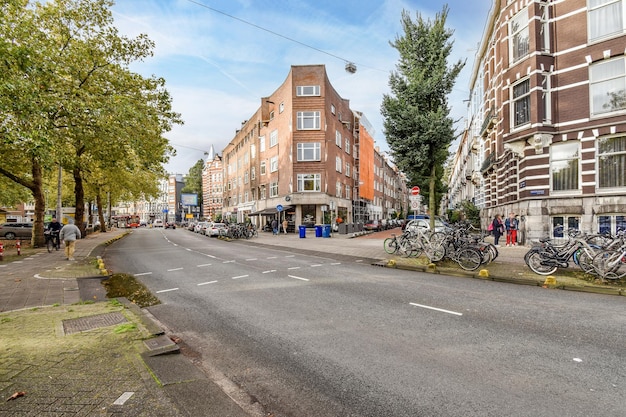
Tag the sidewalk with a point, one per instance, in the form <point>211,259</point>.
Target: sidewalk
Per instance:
<point>63,354</point>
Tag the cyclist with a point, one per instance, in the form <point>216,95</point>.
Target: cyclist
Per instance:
<point>54,228</point>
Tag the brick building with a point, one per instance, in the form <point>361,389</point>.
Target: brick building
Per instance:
<point>546,127</point>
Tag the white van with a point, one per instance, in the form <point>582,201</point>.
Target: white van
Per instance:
<point>157,223</point>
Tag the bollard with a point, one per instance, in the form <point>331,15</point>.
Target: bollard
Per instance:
<point>1,251</point>
<point>18,245</point>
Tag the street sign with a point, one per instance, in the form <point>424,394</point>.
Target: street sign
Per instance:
<point>415,204</point>
<point>415,190</point>
<point>279,208</point>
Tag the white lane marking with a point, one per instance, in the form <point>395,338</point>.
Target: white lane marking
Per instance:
<point>271,257</point>
<point>229,262</point>
<point>143,273</point>
<point>359,260</point>
<point>168,290</point>
<point>188,249</point>
<point>295,277</point>
<point>174,269</point>
<point>315,265</point>
<point>437,309</point>
<point>207,283</point>
<point>210,256</point>
<point>336,263</point>
<point>241,276</point>
<point>123,398</point>
<point>290,256</point>
<point>251,259</point>
<point>201,265</point>
<point>294,267</point>
<point>267,272</point>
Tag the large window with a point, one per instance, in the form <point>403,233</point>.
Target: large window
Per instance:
<point>308,120</point>
<point>521,103</point>
<point>274,164</point>
<point>273,189</point>
<point>308,90</point>
<point>309,182</point>
<point>338,138</point>
<point>564,166</point>
<point>607,81</point>
<point>519,36</point>
<point>611,224</point>
<point>338,164</point>
<point>562,224</point>
<point>612,162</point>
<point>263,167</point>
<point>309,151</point>
<point>606,18</point>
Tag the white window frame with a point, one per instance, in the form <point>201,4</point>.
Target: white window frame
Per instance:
<point>338,138</point>
<point>338,191</point>
<point>261,143</point>
<point>274,163</point>
<point>601,85</point>
<point>338,164</point>
<point>308,91</point>
<point>273,138</point>
<point>347,147</point>
<point>309,151</point>
<point>274,189</point>
<point>605,19</point>
<point>611,163</point>
<point>347,169</point>
<point>519,36</point>
<point>252,173</point>
<point>562,161</point>
<point>524,97</point>
<point>308,120</point>
<point>309,183</point>
<point>263,167</point>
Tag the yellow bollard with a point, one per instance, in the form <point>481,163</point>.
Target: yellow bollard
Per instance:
<point>550,282</point>
<point>483,273</point>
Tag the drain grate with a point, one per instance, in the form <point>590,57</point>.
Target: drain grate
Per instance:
<point>82,324</point>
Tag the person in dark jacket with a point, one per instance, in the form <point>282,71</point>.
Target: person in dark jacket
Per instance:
<point>498,229</point>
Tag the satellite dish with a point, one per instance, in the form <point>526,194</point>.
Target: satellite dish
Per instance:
<point>287,198</point>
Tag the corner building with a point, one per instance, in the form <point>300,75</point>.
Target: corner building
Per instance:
<point>547,116</point>
<point>302,151</point>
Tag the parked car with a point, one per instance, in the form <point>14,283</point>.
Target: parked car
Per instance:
<point>157,223</point>
<point>424,224</point>
<point>216,229</point>
<point>170,225</point>
<point>201,227</point>
<point>374,225</point>
<point>14,230</point>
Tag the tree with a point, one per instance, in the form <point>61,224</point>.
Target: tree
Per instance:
<point>416,113</point>
<point>193,182</point>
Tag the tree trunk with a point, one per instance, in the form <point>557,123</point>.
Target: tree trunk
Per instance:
<point>103,228</point>
<point>37,239</point>
<point>79,192</point>
<point>432,201</point>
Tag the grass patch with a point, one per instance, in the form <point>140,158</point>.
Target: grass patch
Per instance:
<point>125,328</point>
<point>125,285</point>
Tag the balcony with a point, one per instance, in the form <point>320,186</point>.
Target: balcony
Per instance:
<point>488,164</point>
<point>490,120</point>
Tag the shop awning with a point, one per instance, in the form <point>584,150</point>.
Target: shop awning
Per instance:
<point>270,211</point>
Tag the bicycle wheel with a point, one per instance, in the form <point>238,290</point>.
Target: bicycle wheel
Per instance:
<point>390,245</point>
<point>534,261</point>
<point>583,257</point>
<point>610,264</point>
<point>50,244</point>
<point>469,258</point>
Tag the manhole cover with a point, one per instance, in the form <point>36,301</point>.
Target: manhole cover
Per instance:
<point>92,322</point>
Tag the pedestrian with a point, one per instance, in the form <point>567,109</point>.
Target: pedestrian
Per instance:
<point>511,230</point>
<point>69,234</point>
<point>498,229</point>
<point>285,224</point>
<point>274,227</point>
<point>55,228</point>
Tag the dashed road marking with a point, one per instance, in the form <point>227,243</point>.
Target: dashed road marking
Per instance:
<point>294,267</point>
<point>300,278</point>
<point>207,283</point>
<point>203,265</point>
<point>229,262</point>
<point>168,290</point>
<point>436,309</point>
<point>174,269</point>
<point>251,259</point>
<point>241,276</point>
<point>336,263</point>
<point>267,272</point>
<point>143,273</point>
<point>271,257</point>
<point>315,265</point>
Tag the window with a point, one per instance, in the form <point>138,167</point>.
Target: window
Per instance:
<point>347,147</point>
<point>561,225</point>
<point>274,138</point>
<point>309,151</point>
<point>611,224</point>
<point>261,143</point>
<point>521,103</point>
<point>274,189</point>
<point>347,169</point>
<point>519,36</point>
<point>338,189</point>
<point>253,173</point>
<point>607,80</point>
<point>308,90</point>
<point>332,109</point>
<point>281,107</point>
<point>546,98</point>
<point>253,151</point>
<point>309,182</point>
<point>272,115</point>
<point>612,162</point>
<point>246,177</point>
<point>338,164</point>
<point>308,120</point>
<point>564,166</point>
<point>606,18</point>
<point>338,138</point>
<point>262,167</point>
<point>263,193</point>
<point>274,164</point>
<point>347,191</point>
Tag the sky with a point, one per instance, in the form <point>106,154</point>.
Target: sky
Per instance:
<point>219,57</point>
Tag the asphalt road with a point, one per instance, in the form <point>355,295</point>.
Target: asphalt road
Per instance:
<point>312,336</point>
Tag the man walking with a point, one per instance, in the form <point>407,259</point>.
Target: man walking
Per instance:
<point>274,227</point>
<point>69,234</point>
